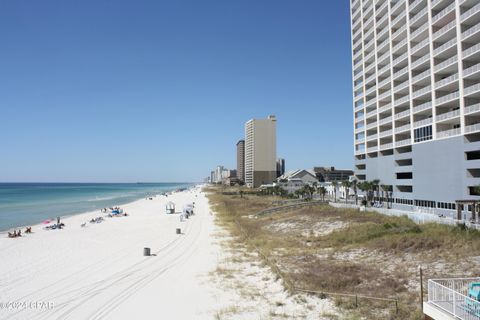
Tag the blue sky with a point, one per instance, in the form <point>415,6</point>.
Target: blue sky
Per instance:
<point>125,91</point>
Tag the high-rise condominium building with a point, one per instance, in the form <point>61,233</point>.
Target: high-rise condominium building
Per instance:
<point>241,160</point>
<point>416,92</point>
<point>260,151</point>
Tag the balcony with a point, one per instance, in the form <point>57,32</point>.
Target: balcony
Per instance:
<point>421,29</point>
<point>422,107</point>
<point>472,128</point>
<point>372,113</point>
<point>404,142</point>
<point>372,149</point>
<point>445,46</point>
<point>400,45</point>
<point>472,89</point>
<point>399,17</point>
<point>420,45</point>
<point>385,108</point>
<point>448,299</point>
<point>415,3</point>
<point>384,82</point>
<point>422,91</point>
<point>372,137</point>
<point>472,109</point>
<point>421,123</point>
<point>418,16</point>
<point>448,133</point>
<point>402,114</point>
<point>447,98</point>
<point>399,32</point>
<point>445,63</point>
<point>447,80</point>
<point>400,58</point>
<point>471,31</point>
<point>385,120</point>
<point>401,86</point>
<point>421,60</point>
<point>385,133</point>
<point>473,49</point>
<point>448,116</point>
<point>423,75</point>
<point>359,118</point>
<point>386,146</point>
<point>371,125</point>
<point>384,95</point>
<point>475,9</point>
<point>400,72</point>
<point>403,128</point>
<point>383,44</point>
<point>445,29</point>
<point>471,70</point>
<point>402,100</point>
<point>443,13</point>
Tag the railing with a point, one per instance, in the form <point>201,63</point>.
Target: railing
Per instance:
<point>380,34</point>
<point>422,91</point>
<point>403,128</point>
<point>471,70</point>
<point>472,128</point>
<point>415,3</point>
<point>400,72</point>
<point>385,133</point>
<point>384,81</point>
<point>421,60</point>
<point>470,12</point>
<point>384,68</point>
<point>448,97</point>
<point>396,6</point>
<point>473,108</point>
<point>444,46</point>
<point>420,29</point>
<point>381,45</point>
<point>443,13</point>
<point>371,113</point>
<point>423,106</point>
<point>418,16</point>
<point>471,50</point>
<point>399,17</point>
<point>372,149</point>
<point>445,63</point>
<point>400,58</point>
<point>385,108</point>
<point>423,122</point>
<point>372,136</point>
<point>385,120</point>
<point>448,115</point>
<point>446,80</point>
<point>420,45</point>
<point>386,145</point>
<point>403,142</point>
<point>445,29</point>
<point>385,94</point>
<point>471,31</point>
<point>448,133</point>
<point>402,114</point>
<point>471,89</point>
<point>400,44</point>
<point>402,100</point>
<point>371,125</point>
<point>422,75</point>
<point>450,296</point>
<point>401,85</point>
<point>399,31</point>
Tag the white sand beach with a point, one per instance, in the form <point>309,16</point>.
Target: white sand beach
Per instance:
<point>99,271</point>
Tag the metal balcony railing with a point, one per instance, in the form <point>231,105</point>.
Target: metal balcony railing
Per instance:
<point>448,115</point>
<point>448,133</point>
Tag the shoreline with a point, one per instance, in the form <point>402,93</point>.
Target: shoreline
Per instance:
<point>4,232</point>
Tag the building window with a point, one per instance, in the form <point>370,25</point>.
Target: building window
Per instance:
<point>422,134</point>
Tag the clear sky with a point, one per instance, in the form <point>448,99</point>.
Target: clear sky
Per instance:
<point>151,90</point>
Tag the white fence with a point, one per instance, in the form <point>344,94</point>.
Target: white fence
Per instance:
<point>450,295</point>
<point>416,216</point>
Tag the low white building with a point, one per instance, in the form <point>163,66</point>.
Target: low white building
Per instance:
<point>294,180</point>
<point>291,185</point>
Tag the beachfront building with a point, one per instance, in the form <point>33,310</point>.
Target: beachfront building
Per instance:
<point>328,174</point>
<point>295,180</point>
<point>260,152</point>
<point>241,161</point>
<point>280,167</point>
<point>416,99</point>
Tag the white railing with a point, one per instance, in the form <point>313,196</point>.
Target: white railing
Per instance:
<point>471,70</point>
<point>386,133</point>
<point>403,128</point>
<point>384,95</point>
<point>403,142</point>
<point>415,3</point>
<point>399,31</point>
<point>371,125</point>
<point>472,89</point>
<point>402,100</point>
<point>420,45</point>
<point>422,91</point>
<point>372,89</point>
<point>471,31</point>
<point>422,75</point>
<point>423,106</point>
<point>359,118</point>
<point>448,115</point>
<point>385,120</point>
<point>386,146</point>
<point>383,57</point>
<point>401,85</point>
<point>445,63</point>
<point>444,29</point>
<point>471,50</point>
<point>384,81</point>
<point>400,58</point>
<point>443,13</point>
<point>372,137</point>
<point>422,123</point>
<point>448,133</point>
<point>400,44</point>
<point>470,12</point>
<point>402,114</point>
<point>381,45</point>
<point>449,79</point>
<point>400,72</point>
<point>418,16</point>
<point>472,128</point>
<point>372,149</point>
<point>384,4</point>
<point>396,6</point>
<point>473,108</point>
<point>448,97</point>
<point>387,67</point>
<point>371,113</point>
<point>400,16</point>
<point>421,60</point>
<point>419,30</point>
<point>446,45</point>
<point>381,33</point>
<point>368,56</point>
<point>450,296</point>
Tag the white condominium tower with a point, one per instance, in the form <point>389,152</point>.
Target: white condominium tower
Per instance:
<point>260,151</point>
<point>416,92</point>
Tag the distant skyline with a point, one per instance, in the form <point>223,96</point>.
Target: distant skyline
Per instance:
<point>153,91</point>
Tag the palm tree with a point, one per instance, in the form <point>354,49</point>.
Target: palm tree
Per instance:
<point>346,184</point>
<point>315,187</point>
<point>354,185</point>
<point>322,191</point>
<point>335,185</point>
<point>386,189</point>
<point>375,184</point>
<point>365,186</point>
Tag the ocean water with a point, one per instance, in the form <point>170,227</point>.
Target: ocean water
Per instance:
<point>23,204</point>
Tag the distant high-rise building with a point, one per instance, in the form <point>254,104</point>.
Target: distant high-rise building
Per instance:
<point>280,167</point>
<point>260,151</point>
<point>241,160</point>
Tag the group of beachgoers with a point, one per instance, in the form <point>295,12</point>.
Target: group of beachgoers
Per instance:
<point>114,212</point>
<point>16,234</point>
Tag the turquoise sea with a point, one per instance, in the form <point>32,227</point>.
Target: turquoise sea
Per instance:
<point>23,204</point>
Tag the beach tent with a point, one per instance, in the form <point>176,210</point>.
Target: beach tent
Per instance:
<point>170,207</point>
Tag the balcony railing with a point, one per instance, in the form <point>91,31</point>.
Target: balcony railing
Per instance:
<point>399,31</point>
<point>372,137</point>
<point>471,70</point>
<point>400,58</point>
<point>448,115</point>
<point>400,16</point>
<point>385,120</point>
<point>422,75</point>
<point>371,125</point>
<point>473,108</point>
<point>447,80</point>
<point>443,13</point>
<point>423,106</point>
<point>402,100</point>
<point>386,146</point>
<point>418,16</point>
<point>420,45</point>
<point>386,133</point>
<point>448,133</point>
<point>421,60</point>
<point>447,97</point>
<point>402,114</point>
<point>472,89</point>
<point>384,81</point>
<point>445,63</point>
<point>385,94</point>
<point>403,128</point>
<point>471,50</point>
<point>422,91</point>
<point>385,108</point>
<point>400,44</point>
<point>471,31</point>
<point>445,46</point>
<point>420,29</point>
<point>422,123</point>
<point>470,12</point>
<point>401,85</point>
<point>400,72</point>
<point>472,128</point>
<point>451,297</point>
<point>444,29</point>
<point>372,149</point>
<point>403,142</point>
